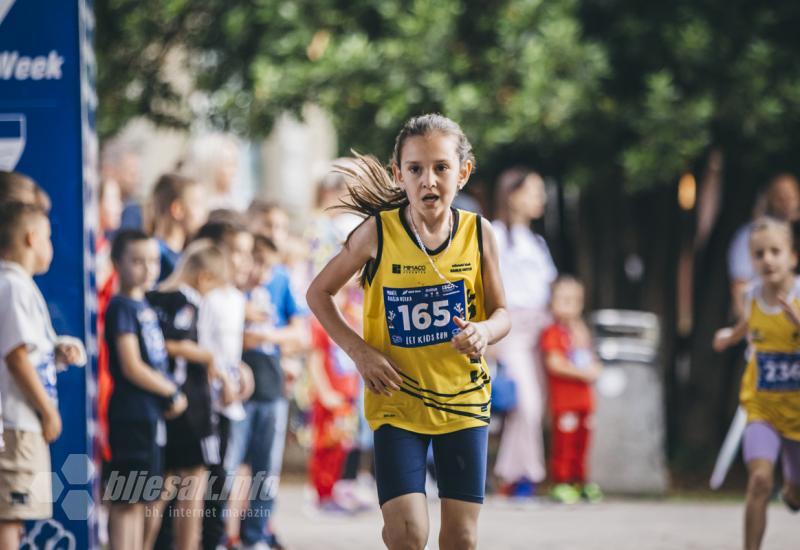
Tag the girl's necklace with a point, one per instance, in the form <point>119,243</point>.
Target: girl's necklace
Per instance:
<point>425,250</point>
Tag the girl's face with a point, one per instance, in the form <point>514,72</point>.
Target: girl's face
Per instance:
<point>529,199</point>
<point>140,264</point>
<point>567,301</point>
<point>431,172</point>
<point>110,206</point>
<point>773,257</point>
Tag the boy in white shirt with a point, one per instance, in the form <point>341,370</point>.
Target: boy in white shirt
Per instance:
<point>29,351</point>
<point>220,329</point>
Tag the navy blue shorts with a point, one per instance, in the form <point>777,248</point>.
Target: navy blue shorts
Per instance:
<point>135,456</point>
<point>459,458</point>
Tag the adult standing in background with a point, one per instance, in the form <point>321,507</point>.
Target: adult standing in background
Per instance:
<point>213,159</point>
<point>528,270</point>
<point>782,201</point>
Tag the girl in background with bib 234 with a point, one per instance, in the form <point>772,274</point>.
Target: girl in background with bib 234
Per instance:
<point>433,301</point>
<point>770,391</point>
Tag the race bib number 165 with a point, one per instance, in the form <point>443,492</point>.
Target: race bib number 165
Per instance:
<point>423,316</point>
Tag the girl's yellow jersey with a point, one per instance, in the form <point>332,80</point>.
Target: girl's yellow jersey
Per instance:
<point>408,316</point>
<point>771,383</point>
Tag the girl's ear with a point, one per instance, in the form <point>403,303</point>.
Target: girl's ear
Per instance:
<point>464,172</point>
<point>398,175</point>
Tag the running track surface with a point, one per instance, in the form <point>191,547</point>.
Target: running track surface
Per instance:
<point>615,524</point>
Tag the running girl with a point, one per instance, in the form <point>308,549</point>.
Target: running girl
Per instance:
<point>770,390</point>
<point>433,301</point>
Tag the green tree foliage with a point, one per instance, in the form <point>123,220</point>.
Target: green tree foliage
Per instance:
<point>513,73</point>
<point>589,90</point>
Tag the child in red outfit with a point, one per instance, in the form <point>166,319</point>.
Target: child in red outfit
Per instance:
<point>334,419</point>
<point>572,367</point>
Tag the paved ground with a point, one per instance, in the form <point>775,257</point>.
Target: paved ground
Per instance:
<point>613,525</point>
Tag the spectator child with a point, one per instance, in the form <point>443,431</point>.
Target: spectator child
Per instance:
<point>106,278</point>
<point>178,209</point>
<point>572,367</point>
<point>334,418</point>
<point>220,329</point>
<point>17,187</point>
<point>143,394</point>
<point>29,351</point>
<point>272,322</point>
<point>192,441</point>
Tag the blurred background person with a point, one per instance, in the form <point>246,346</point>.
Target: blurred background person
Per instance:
<point>572,368</point>
<point>326,236</point>
<point>110,202</point>
<point>528,270</point>
<point>334,418</point>
<point>120,161</point>
<point>177,209</point>
<point>213,160</point>
<point>781,201</point>
<point>329,226</point>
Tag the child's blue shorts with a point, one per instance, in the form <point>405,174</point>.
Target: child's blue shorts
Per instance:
<point>459,458</point>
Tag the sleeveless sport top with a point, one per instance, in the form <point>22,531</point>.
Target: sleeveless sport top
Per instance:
<point>408,316</point>
<point>770,389</point>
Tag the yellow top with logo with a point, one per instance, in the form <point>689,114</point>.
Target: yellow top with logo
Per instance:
<point>408,316</point>
<point>771,383</point>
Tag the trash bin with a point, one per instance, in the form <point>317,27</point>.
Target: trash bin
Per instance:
<point>628,450</point>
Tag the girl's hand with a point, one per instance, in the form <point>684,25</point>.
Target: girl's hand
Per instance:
<point>68,354</point>
<point>722,339</point>
<point>790,311</point>
<point>379,374</point>
<point>472,340</point>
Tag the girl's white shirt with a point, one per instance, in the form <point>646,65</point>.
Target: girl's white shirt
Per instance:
<point>526,267</point>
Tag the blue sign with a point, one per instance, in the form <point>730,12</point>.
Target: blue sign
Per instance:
<point>423,316</point>
<point>47,104</point>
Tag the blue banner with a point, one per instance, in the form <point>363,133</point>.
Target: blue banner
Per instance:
<point>47,104</point>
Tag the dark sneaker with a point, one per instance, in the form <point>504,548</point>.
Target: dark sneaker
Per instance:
<point>793,506</point>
